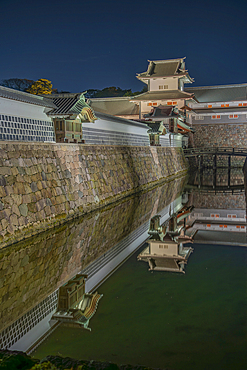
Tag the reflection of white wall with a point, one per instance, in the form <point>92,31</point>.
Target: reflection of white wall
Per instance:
<point>163,249</point>
<point>218,214</point>
<point>218,219</point>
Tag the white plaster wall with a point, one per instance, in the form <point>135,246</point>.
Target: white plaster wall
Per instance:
<point>171,82</point>
<point>104,124</point>
<point>17,108</point>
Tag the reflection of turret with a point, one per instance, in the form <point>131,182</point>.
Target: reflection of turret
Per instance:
<point>75,307</point>
<point>156,231</point>
<point>166,255</point>
<point>165,250</point>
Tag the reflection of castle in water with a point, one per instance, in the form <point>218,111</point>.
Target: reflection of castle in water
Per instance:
<point>166,250</point>
<point>75,307</point>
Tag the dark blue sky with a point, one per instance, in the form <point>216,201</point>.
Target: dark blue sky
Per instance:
<point>80,45</point>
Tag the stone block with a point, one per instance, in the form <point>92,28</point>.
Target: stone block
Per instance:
<point>15,210</point>
<point>13,219</point>
<point>18,188</point>
<point>8,189</point>
<point>5,171</point>
<point>2,181</point>
<point>23,209</point>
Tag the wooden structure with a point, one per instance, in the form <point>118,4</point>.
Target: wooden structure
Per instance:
<point>72,110</point>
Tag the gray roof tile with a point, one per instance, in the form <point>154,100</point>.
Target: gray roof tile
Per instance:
<point>114,106</point>
<point>8,93</point>
<point>68,105</point>
<point>164,95</point>
<point>223,93</point>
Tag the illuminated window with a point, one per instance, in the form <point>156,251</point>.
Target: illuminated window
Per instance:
<point>217,216</point>
<point>149,104</point>
<point>218,116</point>
<point>225,226</point>
<point>238,227</point>
<point>174,102</point>
<point>213,117</point>
<point>169,103</point>
<point>208,225</point>
<point>227,105</point>
<point>155,104</point>
<point>212,215</point>
<point>235,116</point>
<point>222,105</point>
<point>242,227</point>
<point>221,225</point>
<point>245,104</point>
<point>209,105</point>
<point>240,104</point>
<point>230,116</point>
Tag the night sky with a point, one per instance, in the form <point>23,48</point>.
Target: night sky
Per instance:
<point>80,45</point>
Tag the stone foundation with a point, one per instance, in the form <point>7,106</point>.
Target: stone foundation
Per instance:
<point>42,185</point>
<point>231,135</point>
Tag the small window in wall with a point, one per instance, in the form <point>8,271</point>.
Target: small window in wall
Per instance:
<point>161,87</point>
<point>154,104</point>
<point>240,104</point>
<point>199,118</point>
<point>169,103</point>
<point>216,116</point>
<point>174,103</point>
<point>232,116</point>
<point>209,105</point>
<point>224,105</point>
<point>244,104</point>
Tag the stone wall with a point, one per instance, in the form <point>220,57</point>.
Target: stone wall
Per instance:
<point>42,185</point>
<point>218,201</point>
<point>231,135</point>
<point>32,269</point>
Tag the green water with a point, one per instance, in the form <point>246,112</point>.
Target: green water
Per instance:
<point>161,319</point>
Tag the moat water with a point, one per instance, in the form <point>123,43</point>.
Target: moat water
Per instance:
<point>195,320</point>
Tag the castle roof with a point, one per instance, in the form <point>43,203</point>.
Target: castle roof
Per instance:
<point>67,104</point>
<point>114,106</point>
<point>163,95</point>
<point>7,93</point>
<point>221,93</point>
<point>165,68</point>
